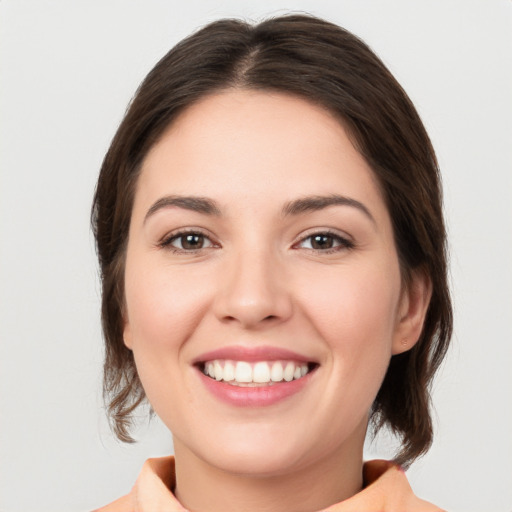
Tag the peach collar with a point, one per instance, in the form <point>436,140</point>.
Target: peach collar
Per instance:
<point>385,489</point>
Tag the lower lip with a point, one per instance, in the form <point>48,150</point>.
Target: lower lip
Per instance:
<point>258,396</point>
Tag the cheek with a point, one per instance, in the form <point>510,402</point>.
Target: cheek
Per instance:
<point>355,313</point>
<point>161,307</point>
<point>363,301</point>
<point>162,312</point>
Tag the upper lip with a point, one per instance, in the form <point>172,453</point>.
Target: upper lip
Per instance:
<point>252,354</point>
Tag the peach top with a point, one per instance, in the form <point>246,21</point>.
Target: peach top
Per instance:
<point>386,489</point>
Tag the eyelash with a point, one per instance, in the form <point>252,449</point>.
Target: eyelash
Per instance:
<point>343,243</point>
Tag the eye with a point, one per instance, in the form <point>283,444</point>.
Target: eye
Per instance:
<point>326,242</point>
<point>187,242</point>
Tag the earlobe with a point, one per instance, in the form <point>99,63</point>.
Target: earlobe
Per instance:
<point>412,312</point>
<point>127,334</point>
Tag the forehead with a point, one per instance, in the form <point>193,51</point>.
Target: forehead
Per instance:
<point>256,146</point>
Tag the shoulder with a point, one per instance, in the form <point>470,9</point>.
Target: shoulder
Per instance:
<point>152,490</point>
<point>386,485</point>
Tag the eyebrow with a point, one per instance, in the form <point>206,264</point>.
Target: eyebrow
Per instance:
<point>194,203</point>
<point>299,206</point>
<point>316,203</point>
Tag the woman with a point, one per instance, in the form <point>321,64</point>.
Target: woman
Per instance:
<point>270,234</point>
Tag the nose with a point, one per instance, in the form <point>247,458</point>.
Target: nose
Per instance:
<point>253,291</point>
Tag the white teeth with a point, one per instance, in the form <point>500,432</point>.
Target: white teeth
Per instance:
<point>217,370</point>
<point>276,374</point>
<point>243,372</point>
<point>288,372</point>
<point>261,372</point>
<point>229,371</point>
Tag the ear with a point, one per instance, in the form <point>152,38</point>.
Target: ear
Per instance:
<point>127,332</point>
<point>412,311</point>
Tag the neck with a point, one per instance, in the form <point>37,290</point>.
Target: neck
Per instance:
<point>203,487</point>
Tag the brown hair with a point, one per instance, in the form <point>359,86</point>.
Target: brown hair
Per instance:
<point>325,64</point>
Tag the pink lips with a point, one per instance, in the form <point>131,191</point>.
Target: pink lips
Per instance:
<point>251,354</point>
<point>259,396</point>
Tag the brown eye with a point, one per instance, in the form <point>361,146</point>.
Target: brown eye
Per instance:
<point>322,242</point>
<point>189,242</point>
<point>325,242</point>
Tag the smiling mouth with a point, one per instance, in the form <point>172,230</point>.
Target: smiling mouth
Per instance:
<point>256,374</point>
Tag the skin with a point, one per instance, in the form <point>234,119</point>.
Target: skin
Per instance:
<point>258,280</point>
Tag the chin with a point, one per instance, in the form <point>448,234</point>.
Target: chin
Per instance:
<point>260,450</point>
<point>256,460</point>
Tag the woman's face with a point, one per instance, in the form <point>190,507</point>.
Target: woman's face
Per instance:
<point>260,248</point>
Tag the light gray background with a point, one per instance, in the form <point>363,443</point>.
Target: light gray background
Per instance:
<point>68,70</point>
